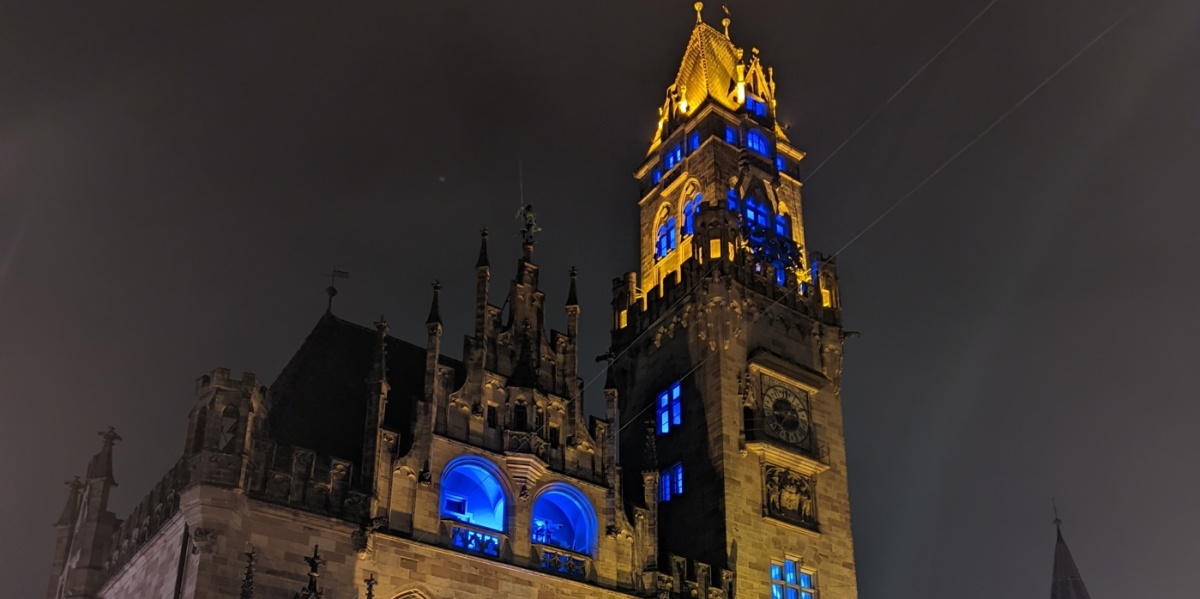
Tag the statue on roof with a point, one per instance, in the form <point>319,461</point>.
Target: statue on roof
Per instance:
<point>529,223</point>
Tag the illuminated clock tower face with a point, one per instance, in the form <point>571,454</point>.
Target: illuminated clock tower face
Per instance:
<point>785,409</point>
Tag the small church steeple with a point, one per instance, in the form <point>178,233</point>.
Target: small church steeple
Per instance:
<point>1066,583</point>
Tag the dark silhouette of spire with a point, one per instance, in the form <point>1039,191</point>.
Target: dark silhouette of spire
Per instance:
<point>371,582</point>
<point>101,466</point>
<point>312,591</point>
<point>483,250</point>
<point>248,578</point>
<point>573,295</point>
<point>1067,583</point>
<point>435,314</point>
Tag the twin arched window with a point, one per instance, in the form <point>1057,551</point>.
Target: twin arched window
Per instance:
<point>667,239</point>
<point>472,492</point>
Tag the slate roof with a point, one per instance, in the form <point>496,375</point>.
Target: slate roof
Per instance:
<point>1067,583</point>
<point>319,401</point>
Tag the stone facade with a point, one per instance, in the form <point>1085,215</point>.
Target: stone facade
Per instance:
<point>372,467</point>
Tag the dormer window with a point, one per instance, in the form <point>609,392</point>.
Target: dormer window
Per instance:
<point>755,107</point>
<point>756,141</point>
<point>673,157</point>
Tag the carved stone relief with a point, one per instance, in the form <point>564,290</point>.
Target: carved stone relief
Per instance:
<point>790,497</point>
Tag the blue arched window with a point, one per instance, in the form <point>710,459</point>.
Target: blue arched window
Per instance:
<point>471,492</point>
<point>689,213</point>
<point>563,517</point>
<point>667,238</point>
<point>756,141</point>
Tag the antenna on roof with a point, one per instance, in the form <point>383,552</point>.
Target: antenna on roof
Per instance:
<point>331,290</point>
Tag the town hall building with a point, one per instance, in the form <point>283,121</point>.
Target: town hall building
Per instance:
<point>377,467</point>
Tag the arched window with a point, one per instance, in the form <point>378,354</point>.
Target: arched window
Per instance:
<point>471,492</point>
<point>563,517</point>
<point>666,239</point>
<point>689,213</point>
<point>756,141</point>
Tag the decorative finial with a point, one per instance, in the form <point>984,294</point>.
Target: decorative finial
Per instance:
<point>1057,520</point>
<point>699,7</point>
<point>371,582</point>
<point>435,314</point>
<point>331,290</point>
<point>314,572</point>
<point>572,294</point>
<point>482,262</point>
<point>110,436</point>
<point>726,21</point>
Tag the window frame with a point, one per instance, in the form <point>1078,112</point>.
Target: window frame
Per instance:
<point>790,580</point>
<point>668,410</point>
<point>758,142</point>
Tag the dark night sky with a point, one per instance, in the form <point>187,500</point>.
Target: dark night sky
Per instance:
<point>176,183</point>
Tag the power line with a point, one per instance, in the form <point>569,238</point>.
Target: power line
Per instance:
<point>902,88</point>
<point>989,128</point>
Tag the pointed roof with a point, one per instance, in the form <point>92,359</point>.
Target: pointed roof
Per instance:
<point>319,401</point>
<point>714,68</point>
<point>709,68</point>
<point>1067,582</point>
<point>573,294</point>
<point>435,313</point>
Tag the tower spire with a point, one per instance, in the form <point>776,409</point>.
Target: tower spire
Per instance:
<point>482,262</point>
<point>1066,583</point>
<point>435,314</point>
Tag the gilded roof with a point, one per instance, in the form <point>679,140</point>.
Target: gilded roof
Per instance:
<point>714,68</point>
<point>709,68</point>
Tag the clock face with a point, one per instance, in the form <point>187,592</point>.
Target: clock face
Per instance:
<point>786,413</point>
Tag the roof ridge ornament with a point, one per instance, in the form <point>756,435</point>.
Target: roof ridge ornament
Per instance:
<point>726,21</point>
<point>699,6</point>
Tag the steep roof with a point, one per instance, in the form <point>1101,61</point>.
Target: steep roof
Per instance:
<point>319,401</point>
<point>1066,583</point>
<point>709,68</point>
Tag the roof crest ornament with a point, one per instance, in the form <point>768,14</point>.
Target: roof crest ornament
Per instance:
<point>726,21</point>
<point>331,290</point>
<point>699,6</point>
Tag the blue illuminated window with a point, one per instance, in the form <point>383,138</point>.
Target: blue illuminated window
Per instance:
<point>694,141</point>
<point>563,517</point>
<point>757,213</point>
<point>670,409</point>
<point>689,213</point>
<point>788,581</point>
<point>780,275</point>
<point>732,200</point>
<point>672,157</point>
<point>656,176</point>
<point>731,135</point>
<point>756,107</point>
<point>756,141</point>
<point>780,163</point>
<point>474,541</point>
<point>670,482</point>
<point>783,226</point>
<point>471,492</point>
<point>667,238</point>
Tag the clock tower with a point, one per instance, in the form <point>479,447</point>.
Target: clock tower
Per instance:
<point>727,346</point>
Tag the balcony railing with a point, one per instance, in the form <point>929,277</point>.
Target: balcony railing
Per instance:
<point>472,539</point>
<point>559,561</point>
